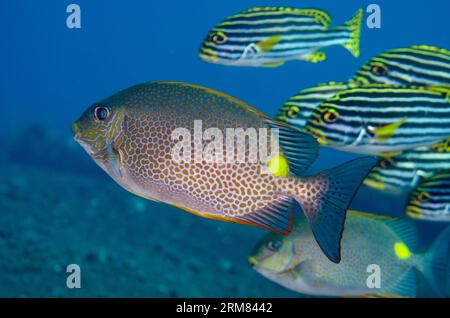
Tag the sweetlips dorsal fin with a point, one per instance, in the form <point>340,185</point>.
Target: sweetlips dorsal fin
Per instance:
<point>327,84</point>
<point>300,148</point>
<point>436,89</point>
<point>320,16</point>
<point>356,88</point>
<point>431,48</point>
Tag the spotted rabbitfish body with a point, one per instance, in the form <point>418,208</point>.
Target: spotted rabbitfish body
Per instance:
<point>380,118</point>
<point>431,199</point>
<point>370,244</point>
<point>402,172</point>
<point>415,65</point>
<point>269,36</point>
<point>130,135</point>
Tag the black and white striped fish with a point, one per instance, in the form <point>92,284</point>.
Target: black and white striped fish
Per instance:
<point>415,65</point>
<point>299,107</point>
<point>404,171</point>
<point>378,118</point>
<point>269,36</point>
<point>431,199</point>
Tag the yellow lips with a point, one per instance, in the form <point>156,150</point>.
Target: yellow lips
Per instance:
<point>209,58</point>
<point>208,55</point>
<point>75,127</point>
<point>252,260</point>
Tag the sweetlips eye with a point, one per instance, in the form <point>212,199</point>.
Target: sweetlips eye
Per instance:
<point>386,163</point>
<point>274,245</point>
<point>293,112</point>
<point>101,113</point>
<point>423,197</point>
<point>330,116</point>
<point>219,37</point>
<point>379,70</point>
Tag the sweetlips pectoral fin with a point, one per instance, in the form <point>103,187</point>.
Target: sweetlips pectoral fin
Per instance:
<point>384,133</point>
<point>276,217</point>
<point>326,214</point>
<point>299,148</point>
<point>268,44</point>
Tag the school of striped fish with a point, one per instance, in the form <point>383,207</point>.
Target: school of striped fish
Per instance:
<point>395,110</point>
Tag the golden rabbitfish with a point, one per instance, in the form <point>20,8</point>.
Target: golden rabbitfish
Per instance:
<point>379,258</point>
<point>130,135</point>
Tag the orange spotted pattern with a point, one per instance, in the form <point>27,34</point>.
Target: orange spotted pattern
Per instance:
<point>149,113</point>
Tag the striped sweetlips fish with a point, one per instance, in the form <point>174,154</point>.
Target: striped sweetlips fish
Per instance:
<point>131,136</point>
<point>379,118</point>
<point>431,199</point>
<point>415,65</point>
<point>297,110</point>
<point>402,172</point>
<point>269,36</point>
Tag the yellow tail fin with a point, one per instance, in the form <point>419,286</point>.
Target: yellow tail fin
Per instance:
<point>354,26</point>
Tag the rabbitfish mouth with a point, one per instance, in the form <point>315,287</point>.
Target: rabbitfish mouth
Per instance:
<point>77,137</point>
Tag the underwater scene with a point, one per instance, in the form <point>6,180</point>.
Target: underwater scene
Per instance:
<point>254,149</point>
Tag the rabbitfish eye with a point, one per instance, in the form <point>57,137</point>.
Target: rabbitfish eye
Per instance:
<point>274,245</point>
<point>101,113</point>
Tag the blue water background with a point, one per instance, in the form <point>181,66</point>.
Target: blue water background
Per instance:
<point>49,74</point>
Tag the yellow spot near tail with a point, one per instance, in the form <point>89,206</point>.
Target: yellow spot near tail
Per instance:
<point>401,250</point>
<point>278,166</point>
